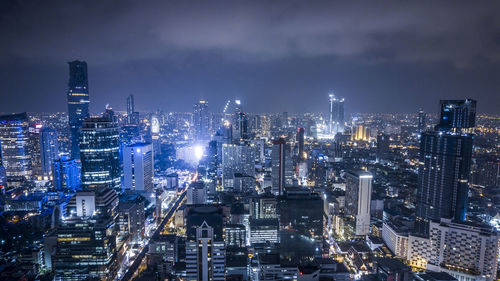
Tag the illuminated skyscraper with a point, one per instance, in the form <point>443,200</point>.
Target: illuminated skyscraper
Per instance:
<point>66,174</point>
<point>336,118</point>
<point>78,102</point>
<point>99,145</point>
<point>201,120</point>
<point>300,143</point>
<point>457,114</point>
<point>421,121</point>
<point>132,115</point>
<point>15,152</point>
<point>357,200</point>
<point>138,167</point>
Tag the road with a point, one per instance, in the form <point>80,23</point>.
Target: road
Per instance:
<point>135,265</point>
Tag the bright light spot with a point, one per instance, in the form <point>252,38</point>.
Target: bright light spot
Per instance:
<point>138,150</point>
<point>198,152</point>
<point>238,102</point>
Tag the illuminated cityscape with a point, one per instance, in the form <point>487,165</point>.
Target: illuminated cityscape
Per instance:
<point>250,141</point>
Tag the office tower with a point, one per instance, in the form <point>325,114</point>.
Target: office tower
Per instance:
<point>383,149</point>
<point>201,120</point>
<point>237,159</point>
<point>130,220</point>
<point>138,170</point>
<point>49,148</point>
<point>457,115</point>
<point>357,201</point>
<point>443,177</point>
<point>132,115</point>
<point>205,251</point>
<point>109,114</point>
<point>196,193</point>
<point>264,231</point>
<point>301,225</point>
<point>99,145</point>
<point>421,121</point>
<point>15,150</point>
<point>66,174</point>
<point>300,143</point>
<point>3,175</point>
<point>264,207</point>
<point>465,250</point>
<point>336,117</point>
<point>243,126</point>
<point>235,235</point>
<point>278,156</point>
<point>85,249</point>
<point>34,146</point>
<point>78,102</point>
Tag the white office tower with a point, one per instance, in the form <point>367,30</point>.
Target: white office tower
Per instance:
<point>197,193</point>
<point>237,159</point>
<point>205,257</point>
<point>138,167</point>
<point>336,118</point>
<point>465,250</point>
<point>357,201</point>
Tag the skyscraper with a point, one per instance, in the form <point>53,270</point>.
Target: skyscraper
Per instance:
<point>358,197</point>
<point>278,156</point>
<point>444,166</point>
<point>99,145</point>
<point>49,150</point>
<point>138,167</point>
<point>443,176</point>
<point>78,102</point>
<point>421,121</point>
<point>237,159</point>
<point>132,115</point>
<point>201,120</point>
<point>300,143</point>
<point>336,118</point>
<point>457,114</point>
<point>15,152</point>
<point>66,174</point>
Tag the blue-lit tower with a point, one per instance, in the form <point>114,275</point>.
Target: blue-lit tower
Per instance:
<point>78,101</point>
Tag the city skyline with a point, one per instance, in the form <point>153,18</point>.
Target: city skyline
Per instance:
<point>380,59</point>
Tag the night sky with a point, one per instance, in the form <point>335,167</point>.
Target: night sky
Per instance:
<point>273,55</point>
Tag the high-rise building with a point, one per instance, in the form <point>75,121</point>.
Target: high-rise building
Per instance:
<point>300,143</point>
<point>243,126</point>
<point>336,117</point>
<point>196,193</point>
<point>15,151</point>
<point>383,149</point>
<point>357,200</point>
<point>443,177</point>
<point>457,114</point>
<point>85,249</point>
<point>66,174</point>
<point>465,250</point>
<point>421,121</point>
<point>78,102</point>
<point>99,145</point>
<point>201,120</point>
<point>278,156</point>
<point>34,147</point>
<point>49,148</point>
<point>237,159</point>
<point>138,167</point>
<point>205,250</point>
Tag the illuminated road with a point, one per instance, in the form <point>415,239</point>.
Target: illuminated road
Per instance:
<point>137,261</point>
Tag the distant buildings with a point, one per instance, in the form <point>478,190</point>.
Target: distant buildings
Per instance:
<point>201,119</point>
<point>336,121</point>
<point>237,159</point>
<point>78,102</point>
<point>99,145</point>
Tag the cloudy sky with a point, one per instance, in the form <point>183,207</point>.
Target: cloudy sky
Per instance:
<point>273,55</point>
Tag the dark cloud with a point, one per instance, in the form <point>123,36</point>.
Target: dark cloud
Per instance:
<point>218,49</point>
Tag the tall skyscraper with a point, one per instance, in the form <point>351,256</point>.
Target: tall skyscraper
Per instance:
<point>443,176</point>
<point>49,150</point>
<point>300,143</point>
<point>457,114</point>
<point>421,121</point>
<point>201,120</point>
<point>243,126</point>
<point>15,151</point>
<point>132,115</point>
<point>278,156</point>
<point>358,192</point>
<point>336,118</point>
<point>78,102</point>
<point>138,167</point>
<point>237,159</point>
<point>99,145</point>
<point>445,164</point>
<point>205,250</point>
